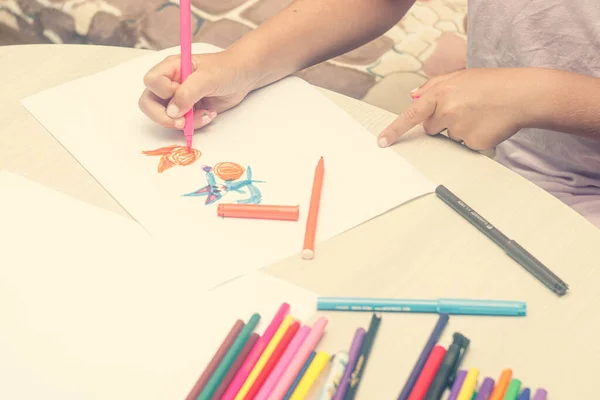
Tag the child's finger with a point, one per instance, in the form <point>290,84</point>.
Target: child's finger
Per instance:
<point>416,113</point>
<point>434,125</point>
<point>194,89</point>
<point>150,105</point>
<point>163,78</point>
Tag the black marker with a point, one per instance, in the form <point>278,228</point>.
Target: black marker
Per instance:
<point>446,373</point>
<point>361,364</point>
<point>512,248</point>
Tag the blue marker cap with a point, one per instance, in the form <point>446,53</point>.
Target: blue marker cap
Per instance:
<point>482,307</point>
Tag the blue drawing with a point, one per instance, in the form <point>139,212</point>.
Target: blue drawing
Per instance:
<point>230,174</point>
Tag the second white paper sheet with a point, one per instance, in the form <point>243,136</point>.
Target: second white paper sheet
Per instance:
<point>61,340</point>
<point>93,308</point>
<point>40,226</point>
<point>267,148</point>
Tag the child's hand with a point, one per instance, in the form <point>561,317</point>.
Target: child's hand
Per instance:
<point>479,107</point>
<point>217,84</point>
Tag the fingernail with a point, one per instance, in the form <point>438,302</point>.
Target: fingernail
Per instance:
<point>415,89</point>
<point>383,142</point>
<point>212,114</point>
<point>179,123</point>
<point>205,119</point>
<point>173,111</point>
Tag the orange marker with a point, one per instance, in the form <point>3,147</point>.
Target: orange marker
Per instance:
<point>308,251</point>
<point>503,381</point>
<point>259,211</point>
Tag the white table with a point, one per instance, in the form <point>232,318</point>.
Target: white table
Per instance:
<point>420,250</point>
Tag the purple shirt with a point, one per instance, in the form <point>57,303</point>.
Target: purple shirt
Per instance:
<point>556,34</point>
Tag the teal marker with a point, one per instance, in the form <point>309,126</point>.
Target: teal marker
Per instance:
<point>237,346</point>
<point>440,306</point>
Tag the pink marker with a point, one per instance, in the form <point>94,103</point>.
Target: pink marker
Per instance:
<point>240,377</point>
<point>185,37</point>
<point>283,363</point>
<point>299,359</point>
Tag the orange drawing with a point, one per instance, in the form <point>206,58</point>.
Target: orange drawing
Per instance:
<point>174,155</point>
<point>228,171</point>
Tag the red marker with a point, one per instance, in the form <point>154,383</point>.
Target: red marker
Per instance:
<point>259,211</point>
<point>428,373</point>
<point>270,365</point>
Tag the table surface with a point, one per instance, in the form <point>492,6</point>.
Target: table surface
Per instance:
<point>422,249</point>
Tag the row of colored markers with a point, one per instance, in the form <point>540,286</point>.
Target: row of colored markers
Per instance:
<point>437,371</point>
<point>283,364</point>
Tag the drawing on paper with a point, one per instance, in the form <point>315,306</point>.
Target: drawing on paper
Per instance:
<point>231,176</point>
<point>172,156</point>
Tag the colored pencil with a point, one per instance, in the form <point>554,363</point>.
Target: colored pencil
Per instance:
<point>428,373</point>
<point>355,347</point>
<point>433,338</point>
<point>256,353</point>
<point>525,394</point>
<point>311,375</point>
<point>216,360</point>
<point>215,380</point>
<point>514,387</point>
<point>273,360</point>
<point>300,375</point>
<point>338,367</point>
<point>469,385</point>
<point>502,385</point>
<point>185,35</point>
<point>540,394</point>
<point>260,364</point>
<point>308,250</point>
<point>299,359</point>
<point>486,389</point>
<point>365,351</point>
<point>283,363</point>
<point>236,365</point>
<point>457,385</point>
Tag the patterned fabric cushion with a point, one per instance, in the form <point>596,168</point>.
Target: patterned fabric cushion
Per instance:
<point>381,72</point>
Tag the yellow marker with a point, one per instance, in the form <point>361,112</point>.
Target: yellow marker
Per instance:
<point>311,375</point>
<point>468,387</point>
<point>264,357</point>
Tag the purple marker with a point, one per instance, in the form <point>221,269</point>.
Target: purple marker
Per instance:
<point>353,355</point>
<point>458,382</point>
<point>431,342</point>
<point>486,389</point>
<point>540,394</point>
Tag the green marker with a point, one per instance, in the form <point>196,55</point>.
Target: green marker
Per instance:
<point>237,346</point>
<point>513,390</point>
<point>474,396</point>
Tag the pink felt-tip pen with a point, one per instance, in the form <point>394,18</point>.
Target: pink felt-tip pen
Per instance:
<point>185,37</point>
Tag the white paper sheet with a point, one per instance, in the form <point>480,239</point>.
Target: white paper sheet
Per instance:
<point>280,132</point>
<point>94,308</point>
<point>67,335</point>
<point>42,226</point>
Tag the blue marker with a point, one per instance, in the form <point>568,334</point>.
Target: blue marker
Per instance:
<point>525,394</point>
<point>300,375</point>
<point>440,306</point>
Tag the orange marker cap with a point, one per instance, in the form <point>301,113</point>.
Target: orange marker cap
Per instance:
<point>259,211</point>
